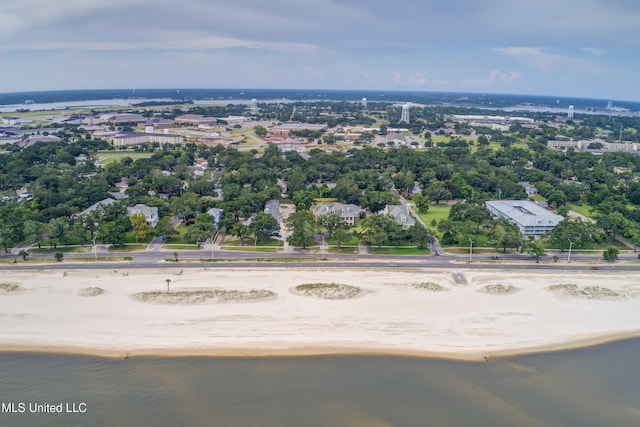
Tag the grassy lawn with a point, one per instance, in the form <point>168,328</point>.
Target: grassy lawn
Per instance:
<point>437,212</point>
<point>399,251</point>
<point>582,208</point>
<point>182,247</point>
<point>352,241</point>
<point>250,249</point>
<point>130,239</point>
<point>130,247</point>
<point>344,250</point>
<point>107,157</point>
<point>177,239</point>
<point>63,249</point>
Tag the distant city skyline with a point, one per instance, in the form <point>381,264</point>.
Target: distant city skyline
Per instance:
<point>571,48</point>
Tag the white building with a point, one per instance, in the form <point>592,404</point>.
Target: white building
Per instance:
<point>150,213</point>
<point>349,213</point>
<point>140,138</point>
<point>528,216</point>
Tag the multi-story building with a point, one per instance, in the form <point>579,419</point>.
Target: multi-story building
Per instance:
<point>528,216</point>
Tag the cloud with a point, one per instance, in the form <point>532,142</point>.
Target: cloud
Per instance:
<point>338,25</point>
<point>547,62</point>
<point>593,50</point>
<point>497,80</point>
<point>416,79</point>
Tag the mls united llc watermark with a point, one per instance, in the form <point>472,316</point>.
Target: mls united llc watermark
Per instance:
<point>43,408</point>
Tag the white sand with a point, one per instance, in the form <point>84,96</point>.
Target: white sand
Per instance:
<point>51,312</point>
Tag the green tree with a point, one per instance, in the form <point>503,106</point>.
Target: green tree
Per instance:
<point>302,228</point>
<point>264,226</point>
<point>421,236</point>
<point>332,222</point>
<point>241,231</point>
<point>534,248</point>
<point>59,256</point>
<point>24,254</point>
<point>341,235</point>
<point>505,235</point>
<point>422,202</point>
<point>578,231</point>
<point>610,254</point>
<point>437,191</point>
<point>296,180</point>
<point>260,130</point>
<point>302,199</point>
<point>141,229</point>
<point>376,229</point>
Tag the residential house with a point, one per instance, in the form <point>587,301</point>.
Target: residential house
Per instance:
<point>349,213</point>
<point>400,214</point>
<point>216,213</point>
<point>272,207</point>
<point>98,205</point>
<point>150,213</point>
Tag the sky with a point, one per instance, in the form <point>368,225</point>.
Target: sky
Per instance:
<point>573,48</point>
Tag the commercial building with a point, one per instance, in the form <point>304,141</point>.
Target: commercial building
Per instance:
<point>126,139</point>
<point>528,216</point>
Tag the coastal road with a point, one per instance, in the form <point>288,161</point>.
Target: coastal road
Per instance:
<point>318,264</point>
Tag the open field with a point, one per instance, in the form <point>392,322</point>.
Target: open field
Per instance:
<point>108,157</point>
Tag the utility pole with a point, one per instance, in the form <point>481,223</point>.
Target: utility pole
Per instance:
<point>570,245</point>
<point>323,248</point>
<point>470,249</point>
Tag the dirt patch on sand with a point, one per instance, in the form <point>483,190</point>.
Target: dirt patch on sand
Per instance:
<point>428,286</point>
<point>9,288</point>
<point>588,292</point>
<point>498,289</point>
<point>91,291</point>
<point>329,291</point>
<point>202,296</point>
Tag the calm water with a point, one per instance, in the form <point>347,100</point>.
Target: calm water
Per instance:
<point>597,386</point>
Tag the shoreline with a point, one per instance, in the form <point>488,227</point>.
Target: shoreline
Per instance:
<point>396,313</point>
<point>309,351</point>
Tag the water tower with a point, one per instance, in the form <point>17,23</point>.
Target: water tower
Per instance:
<point>404,117</point>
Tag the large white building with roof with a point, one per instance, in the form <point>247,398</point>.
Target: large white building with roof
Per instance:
<point>527,215</point>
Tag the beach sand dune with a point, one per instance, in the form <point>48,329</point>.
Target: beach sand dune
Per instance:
<point>97,312</point>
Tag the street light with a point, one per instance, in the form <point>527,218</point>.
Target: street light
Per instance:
<point>570,245</point>
<point>470,249</point>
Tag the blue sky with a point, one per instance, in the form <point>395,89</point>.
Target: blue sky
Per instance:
<point>580,48</point>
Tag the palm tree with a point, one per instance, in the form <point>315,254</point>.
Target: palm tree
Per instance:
<point>168,281</point>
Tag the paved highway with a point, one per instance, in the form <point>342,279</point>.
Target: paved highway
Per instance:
<point>238,259</point>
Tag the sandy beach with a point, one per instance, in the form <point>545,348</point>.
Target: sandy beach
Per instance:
<point>464,314</point>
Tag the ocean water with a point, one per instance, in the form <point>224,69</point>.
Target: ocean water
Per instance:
<point>597,386</point>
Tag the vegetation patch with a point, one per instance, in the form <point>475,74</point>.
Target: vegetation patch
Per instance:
<point>330,291</point>
<point>498,289</point>
<point>202,296</point>
<point>91,291</point>
<point>9,288</point>
<point>589,292</point>
<point>429,286</point>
